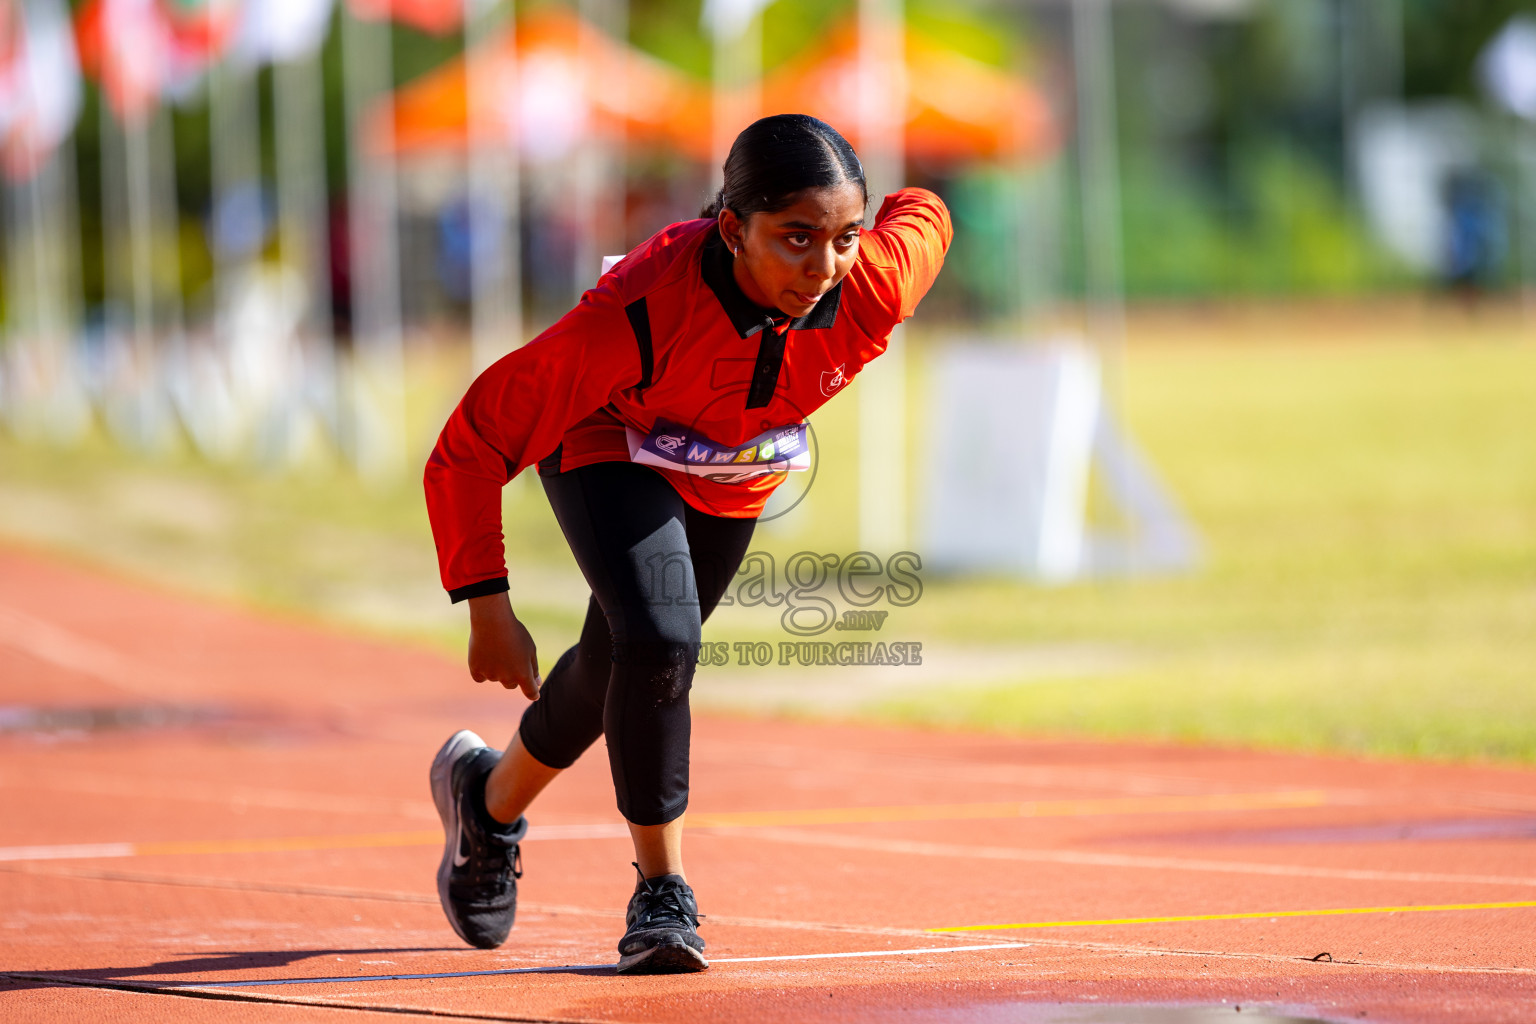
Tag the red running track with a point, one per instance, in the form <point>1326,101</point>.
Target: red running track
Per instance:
<point>215,815</point>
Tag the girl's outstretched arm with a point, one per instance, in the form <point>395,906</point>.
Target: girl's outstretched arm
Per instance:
<point>514,414</point>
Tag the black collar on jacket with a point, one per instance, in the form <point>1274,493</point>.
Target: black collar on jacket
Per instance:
<point>747,316</point>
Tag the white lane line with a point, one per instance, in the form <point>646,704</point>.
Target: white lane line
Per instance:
<point>261,983</point>
<point>66,852</point>
<point>90,851</point>
<point>196,791</point>
<point>1108,860</point>
<point>387,977</point>
<point>872,952</point>
<point>74,652</point>
<point>598,831</point>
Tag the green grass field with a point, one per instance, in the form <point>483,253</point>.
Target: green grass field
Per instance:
<point>1368,507</point>
<point>1364,482</point>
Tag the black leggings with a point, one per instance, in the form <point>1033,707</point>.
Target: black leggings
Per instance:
<point>657,568</point>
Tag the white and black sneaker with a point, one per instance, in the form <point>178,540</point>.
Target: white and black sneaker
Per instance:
<point>663,920</point>
<point>477,879</point>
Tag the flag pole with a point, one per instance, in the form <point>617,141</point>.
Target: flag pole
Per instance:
<point>298,102</point>
<point>882,385</point>
<point>55,251</point>
<point>117,290</point>
<point>41,216</point>
<point>378,346</point>
<point>494,187</point>
<point>9,396</point>
<point>137,168</point>
<point>736,74</point>
<point>166,210</point>
<point>233,106</point>
<point>1099,182</point>
<point>235,163</point>
<point>594,177</point>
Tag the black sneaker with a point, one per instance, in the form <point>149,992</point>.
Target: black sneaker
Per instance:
<point>662,919</point>
<point>477,880</point>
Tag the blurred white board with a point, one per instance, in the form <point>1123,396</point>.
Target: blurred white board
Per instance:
<point>1017,433</point>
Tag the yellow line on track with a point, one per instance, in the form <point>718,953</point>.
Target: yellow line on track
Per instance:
<point>1029,809</point>
<point>1329,912</point>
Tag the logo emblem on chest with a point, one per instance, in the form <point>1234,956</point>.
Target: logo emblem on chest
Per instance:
<point>832,380</point>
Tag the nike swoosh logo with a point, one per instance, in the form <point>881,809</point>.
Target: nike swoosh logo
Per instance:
<point>460,858</point>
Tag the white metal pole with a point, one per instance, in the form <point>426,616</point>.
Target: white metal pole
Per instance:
<point>235,155</point>
<point>116,264</point>
<point>144,422</point>
<point>882,385</point>
<point>26,273</point>
<point>44,293</point>
<point>9,398</point>
<point>494,187</point>
<point>304,238</point>
<point>54,245</point>
<point>599,170</point>
<point>737,78</point>
<point>1098,166</point>
<point>64,202</point>
<point>141,257</point>
<point>588,172</point>
<point>1099,174</point>
<point>167,212</point>
<point>378,345</point>
<point>42,303</point>
<point>720,134</point>
<point>298,102</point>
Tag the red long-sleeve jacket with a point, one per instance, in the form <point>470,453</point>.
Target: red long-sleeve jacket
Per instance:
<point>667,357</point>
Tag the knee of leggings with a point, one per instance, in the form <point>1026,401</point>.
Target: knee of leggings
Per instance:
<point>663,669</point>
<point>581,675</point>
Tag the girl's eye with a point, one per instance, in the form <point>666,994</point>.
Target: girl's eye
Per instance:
<point>848,239</point>
<point>799,241</point>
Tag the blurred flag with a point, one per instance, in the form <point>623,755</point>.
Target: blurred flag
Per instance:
<point>200,33</point>
<point>1508,67</point>
<point>39,82</point>
<point>141,50</point>
<point>435,16</point>
<point>274,31</point>
<point>729,19</point>
<point>123,44</point>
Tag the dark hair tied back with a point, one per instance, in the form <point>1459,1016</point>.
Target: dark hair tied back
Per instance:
<point>778,156</point>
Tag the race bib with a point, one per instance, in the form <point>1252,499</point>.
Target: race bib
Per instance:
<point>675,447</point>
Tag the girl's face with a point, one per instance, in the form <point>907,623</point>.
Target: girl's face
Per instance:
<point>788,260</point>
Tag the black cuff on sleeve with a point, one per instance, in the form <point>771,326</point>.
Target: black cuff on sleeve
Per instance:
<point>484,587</point>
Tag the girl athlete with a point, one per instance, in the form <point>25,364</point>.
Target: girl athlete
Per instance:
<point>711,342</point>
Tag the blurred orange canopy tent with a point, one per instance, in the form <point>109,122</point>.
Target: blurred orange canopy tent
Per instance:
<point>579,82</point>
<point>576,82</point>
<point>957,108</point>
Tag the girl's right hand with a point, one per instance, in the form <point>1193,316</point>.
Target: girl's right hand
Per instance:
<point>500,648</point>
